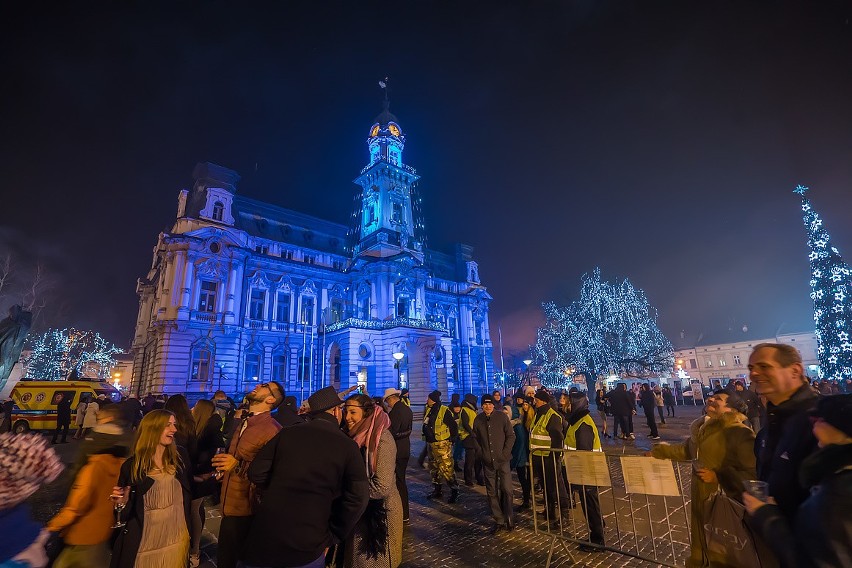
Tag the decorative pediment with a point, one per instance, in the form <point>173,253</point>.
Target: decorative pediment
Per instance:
<point>336,291</point>
<point>309,287</point>
<point>211,268</point>
<point>259,280</point>
<point>284,284</point>
<point>363,289</point>
<point>405,287</point>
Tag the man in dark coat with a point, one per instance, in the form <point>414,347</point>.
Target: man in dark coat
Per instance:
<point>622,403</point>
<point>401,420</point>
<point>148,403</point>
<point>753,403</point>
<point>287,414</point>
<point>649,404</point>
<point>317,456</point>
<point>494,437</point>
<point>547,433</point>
<point>132,411</point>
<point>583,435</point>
<point>786,439</point>
<point>63,416</point>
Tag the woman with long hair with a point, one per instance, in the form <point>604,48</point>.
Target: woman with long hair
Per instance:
<point>154,486</point>
<point>377,539</point>
<point>185,436</point>
<point>208,432</point>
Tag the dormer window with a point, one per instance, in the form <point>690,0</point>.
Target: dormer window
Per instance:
<point>397,213</point>
<point>218,211</point>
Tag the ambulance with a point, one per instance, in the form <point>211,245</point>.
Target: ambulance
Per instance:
<point>35,401</point>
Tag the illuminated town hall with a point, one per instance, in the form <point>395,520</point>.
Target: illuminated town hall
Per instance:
<point>242,291</point>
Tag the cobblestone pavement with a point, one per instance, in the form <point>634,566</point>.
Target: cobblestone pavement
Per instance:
<point>442,535</point>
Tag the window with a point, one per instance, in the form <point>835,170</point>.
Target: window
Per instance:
<point>336,311</point>
<point>258,298</point>
<point>252,367</point>
<point>311,259</point>
<point>304,367</point>
<point>371,215</point>
<point>279,368</point>
<point>722,362</point>
<point>338,265</point>
<point>709,362</point>
<point>218,210</point>
<point>736,360</point>
<point>451,324</point>
<point>201,364</point>
<point>693,364</point>
<point>283,313</point>
<point>397,213</point>
<point>207,298</point>
<point>307,310</point>
<point>477,326</point>
<point>402,307</point>
<point>364,307</point>
<point>288,254</point>
<point>261,249</point>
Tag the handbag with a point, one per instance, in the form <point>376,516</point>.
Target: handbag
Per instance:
<point>729,538</point>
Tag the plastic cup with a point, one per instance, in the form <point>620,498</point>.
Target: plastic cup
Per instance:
<point>757,489</point>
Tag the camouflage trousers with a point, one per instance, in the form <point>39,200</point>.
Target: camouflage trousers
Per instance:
<point>441,464</point>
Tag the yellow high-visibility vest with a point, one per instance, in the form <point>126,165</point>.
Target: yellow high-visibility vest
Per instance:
<point>442,432</point>
<point>539,437</point>
<point>471,416</point>
<point>571,435</point>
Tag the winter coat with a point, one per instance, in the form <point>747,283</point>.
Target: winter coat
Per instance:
<point>63,412</point>
<point>81,414</point>
<point>90,420</point>
<point>130,537</point>
<point>494,438</point>
<point>103,437</point>
<point>317,518</point>
<point>783,443</point>
<point>238,496</point>
<point>87,516</point>
<point>647,400</point>
<point>401,419</point>
<point>621,402</point>
<point>724,445</point>
<point>823,535</point>
<point>521,447</point>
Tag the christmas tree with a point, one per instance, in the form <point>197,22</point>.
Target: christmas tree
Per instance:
<point>53,354</point>
<point>830,287</point>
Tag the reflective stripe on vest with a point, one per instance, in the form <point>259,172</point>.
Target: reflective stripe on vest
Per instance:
<point>571,435</point>
<point>539,437</point>
<point>442,432</point>
<point>471,416</point>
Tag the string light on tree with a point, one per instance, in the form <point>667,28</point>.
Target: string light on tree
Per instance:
<point>830,286</point>
<point>56,352</point>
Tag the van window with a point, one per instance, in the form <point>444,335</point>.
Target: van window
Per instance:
<point>115,396</point>
<point>66,394</point>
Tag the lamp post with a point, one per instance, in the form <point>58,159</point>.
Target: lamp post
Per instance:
<point>398,355</point>
<point>528,362</point>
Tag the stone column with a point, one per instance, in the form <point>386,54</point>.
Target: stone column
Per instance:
<point>186,289</point>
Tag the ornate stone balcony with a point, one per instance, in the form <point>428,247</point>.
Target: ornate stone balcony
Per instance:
<point>387,324</point>
<point>206,317</point>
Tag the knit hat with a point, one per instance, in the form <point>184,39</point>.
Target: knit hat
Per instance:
<point>26,463</point>
<point>435,396</point>
<point>470,399</point>
<point>836,410</point>
<point>529,390</point>
<point>487,398</point>
<point>323,399</point>
<point>543,395</point>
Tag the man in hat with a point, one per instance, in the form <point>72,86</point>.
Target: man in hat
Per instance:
<point>583,435</point>
<point>256,428</point>
<point>472,465</point>
<point>401,419</point>
<point>439,429</point>
<point>315,455</point>
<point>546,434</point>
<point>494,437</point>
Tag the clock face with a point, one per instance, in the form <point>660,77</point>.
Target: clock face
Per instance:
<point>374,131</point>
<point>394,129</point>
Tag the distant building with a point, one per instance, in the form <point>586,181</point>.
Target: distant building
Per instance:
<point>714,362</point>
<point>240,292</point>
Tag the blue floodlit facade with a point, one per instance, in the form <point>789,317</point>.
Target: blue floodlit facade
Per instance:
<point>242,291</point>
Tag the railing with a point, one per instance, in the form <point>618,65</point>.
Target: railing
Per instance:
<point>280,326</point>
<point>206,317</point>
<point>257,324</point>
<point>387,324</point>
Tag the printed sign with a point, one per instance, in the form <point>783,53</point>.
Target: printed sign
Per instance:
<point>649,476</point>
<point>587,468</point>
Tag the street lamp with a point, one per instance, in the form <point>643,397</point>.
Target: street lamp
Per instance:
<point>528,362</point>
<point>398,355</point>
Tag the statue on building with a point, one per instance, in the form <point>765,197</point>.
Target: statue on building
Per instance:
<point>13,332</point>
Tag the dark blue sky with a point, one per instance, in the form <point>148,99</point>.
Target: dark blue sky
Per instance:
<point>658,140</point>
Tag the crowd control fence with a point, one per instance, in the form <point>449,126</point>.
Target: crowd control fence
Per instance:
<point>641,504</point>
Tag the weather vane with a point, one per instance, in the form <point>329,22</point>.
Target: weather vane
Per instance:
<point>800,189</point>
<point>383,84</point>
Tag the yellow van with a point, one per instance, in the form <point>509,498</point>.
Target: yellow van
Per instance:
<point>35,401</point>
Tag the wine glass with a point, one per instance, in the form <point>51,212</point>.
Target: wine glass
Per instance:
<point>219,473</point>
<point>120,503</point>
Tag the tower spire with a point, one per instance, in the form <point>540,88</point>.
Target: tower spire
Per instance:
<point>383,83</point>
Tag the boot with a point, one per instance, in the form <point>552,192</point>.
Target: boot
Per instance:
<point>437,491</point>
<point>454,494</point>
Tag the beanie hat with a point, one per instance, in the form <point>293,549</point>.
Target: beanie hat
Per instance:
<point>836,410</point>
<point>470,399</point>
<point>435,396</point>
<point>487,398</point>
<point>543,396</point>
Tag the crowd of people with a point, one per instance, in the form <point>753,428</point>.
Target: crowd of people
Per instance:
<point>333,470</point>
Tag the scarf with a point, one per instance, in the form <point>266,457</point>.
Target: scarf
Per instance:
<point>367,433</point>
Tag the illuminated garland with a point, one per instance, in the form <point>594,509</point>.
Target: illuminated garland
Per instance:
<point>56,352</point>
<point>611,329</point>
<point>831,288</point>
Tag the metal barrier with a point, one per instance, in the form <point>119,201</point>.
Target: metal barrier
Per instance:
<point>638,505</point>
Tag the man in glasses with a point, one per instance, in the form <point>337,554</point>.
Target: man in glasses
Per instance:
<point>257,427</point>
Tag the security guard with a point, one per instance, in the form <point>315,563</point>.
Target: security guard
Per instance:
<point>546,433</point>
<point>583,435</point>
<point>439,429</point>
<point>471,461</point>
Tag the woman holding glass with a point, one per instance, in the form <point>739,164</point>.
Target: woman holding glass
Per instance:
<point>377,539</point>
<point>208,432</point>
<point>154,496</point>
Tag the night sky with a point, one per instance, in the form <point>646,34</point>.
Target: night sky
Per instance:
<point>658,140</point>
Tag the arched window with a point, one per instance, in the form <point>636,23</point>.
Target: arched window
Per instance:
<point>279,368</point>
<point>218,211</point>
<point>201,368</point>
<point>252,367</point>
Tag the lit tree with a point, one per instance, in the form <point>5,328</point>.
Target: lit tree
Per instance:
<point>57,352</point>
<point>831,287</point>
<point>611,328</point>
